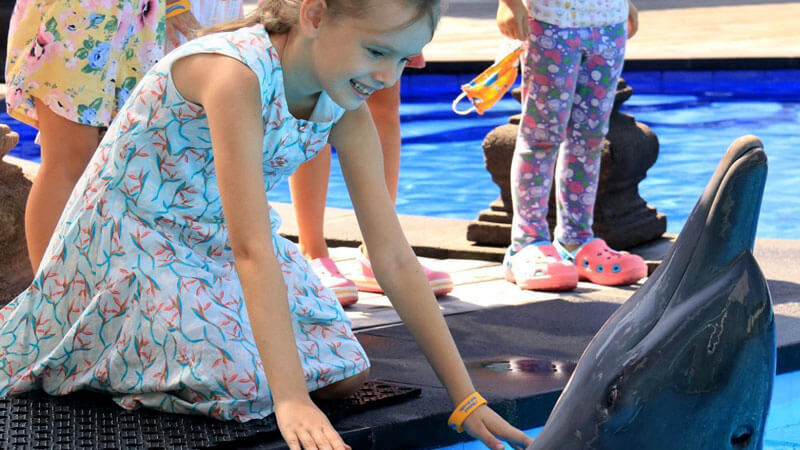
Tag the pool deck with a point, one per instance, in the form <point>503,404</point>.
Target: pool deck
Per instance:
<point>668,30</point>
<point>492,319</point>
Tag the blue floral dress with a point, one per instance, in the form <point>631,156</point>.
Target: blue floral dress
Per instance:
<point>137,294</point>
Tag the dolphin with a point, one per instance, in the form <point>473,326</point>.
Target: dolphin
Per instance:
<point>688,361</point>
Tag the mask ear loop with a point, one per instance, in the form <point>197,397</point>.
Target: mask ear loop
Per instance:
<point>462,112</point>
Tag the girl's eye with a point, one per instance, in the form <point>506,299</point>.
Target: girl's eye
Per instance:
<point>375,53</point>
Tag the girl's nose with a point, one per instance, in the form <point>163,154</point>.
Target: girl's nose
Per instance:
<point>388,74</point>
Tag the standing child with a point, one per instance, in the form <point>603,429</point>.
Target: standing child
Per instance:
<point>166,283</point>
<point>71,66</point>
<point>571,65</point>
<point>197,14</point>
<point>309,186</point>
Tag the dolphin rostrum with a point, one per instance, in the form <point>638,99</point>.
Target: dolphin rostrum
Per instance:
<point>688,361</point>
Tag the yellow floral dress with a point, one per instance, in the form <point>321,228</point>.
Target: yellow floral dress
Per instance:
<point>82,58</point>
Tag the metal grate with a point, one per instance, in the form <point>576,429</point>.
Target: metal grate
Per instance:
<point>88,420</point>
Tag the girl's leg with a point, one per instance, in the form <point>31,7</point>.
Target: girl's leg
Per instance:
<point>309,184</point>
<point>578,168</point>
<point>342,388</point>
<point>579,163</point>
<point>384,106</point>
<point>309,188</point>
<point>66,149</point>
<point>549,76</point>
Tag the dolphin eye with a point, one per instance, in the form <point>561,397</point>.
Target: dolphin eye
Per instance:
<point>611,396</point>
<point>741,436</point>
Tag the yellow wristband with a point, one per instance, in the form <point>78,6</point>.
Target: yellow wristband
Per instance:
<point>463,410</point>
<point>177,8</point>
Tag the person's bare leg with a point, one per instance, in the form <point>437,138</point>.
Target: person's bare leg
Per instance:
<point>67,148</point>
<point>343,388</point>
<point>309,184</point>
<point>309,188</point>
<point>384,105</point>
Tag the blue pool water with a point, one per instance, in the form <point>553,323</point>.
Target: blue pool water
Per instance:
<point>696,115</point>
<point>782,431</point>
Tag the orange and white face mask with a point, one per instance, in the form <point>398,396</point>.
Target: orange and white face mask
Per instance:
<point>489,87</point>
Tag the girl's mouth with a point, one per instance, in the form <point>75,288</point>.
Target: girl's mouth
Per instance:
<point>362,89</point>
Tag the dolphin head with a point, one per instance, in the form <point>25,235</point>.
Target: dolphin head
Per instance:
<point>688,361</point>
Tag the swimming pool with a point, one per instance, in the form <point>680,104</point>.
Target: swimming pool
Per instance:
<point>696,115</point>
<point>782,431</point>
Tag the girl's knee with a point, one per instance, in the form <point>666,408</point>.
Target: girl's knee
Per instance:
<point>343,388</point>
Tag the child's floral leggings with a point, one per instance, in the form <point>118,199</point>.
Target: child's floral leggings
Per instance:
<point>569,79</point>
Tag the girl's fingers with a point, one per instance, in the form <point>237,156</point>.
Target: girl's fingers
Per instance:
<point>306,440</point>
<point>514,436</point>
<point>334,438</point>
<point>292,442</point>
<point>321,439</point>
<point>484,435</point>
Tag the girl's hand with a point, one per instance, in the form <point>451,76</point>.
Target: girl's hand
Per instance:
<point>633,19</point>
<point>512,19</point>
<point>303,425</point>
<point>185,23</point>
<point>486,425</point>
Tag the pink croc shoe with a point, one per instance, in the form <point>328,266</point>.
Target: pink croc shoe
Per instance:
<point>598,263</point>
<point>344,289</point>
<point>539,267</point>
<point>440,282</point>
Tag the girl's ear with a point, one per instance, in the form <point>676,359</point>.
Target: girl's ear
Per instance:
<point>312,12</point>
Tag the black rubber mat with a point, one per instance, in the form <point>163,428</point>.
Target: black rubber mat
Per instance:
<point>89,420</point>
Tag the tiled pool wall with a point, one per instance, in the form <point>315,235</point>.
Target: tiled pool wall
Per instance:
<point>748,83</point>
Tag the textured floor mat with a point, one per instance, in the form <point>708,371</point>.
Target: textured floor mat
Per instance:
<point>88,420</point>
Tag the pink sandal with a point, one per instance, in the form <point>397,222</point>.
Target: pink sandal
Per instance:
<point>600,264</point>
<point>344,289</point>
<point>440,282</point>
<point>539,267</point>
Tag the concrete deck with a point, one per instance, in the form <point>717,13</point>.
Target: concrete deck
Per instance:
<point>668,29</point>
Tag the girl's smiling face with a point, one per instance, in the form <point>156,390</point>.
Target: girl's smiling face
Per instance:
<point>352,57</point>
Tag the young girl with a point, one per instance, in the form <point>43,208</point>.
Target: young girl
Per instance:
<point>572,62</point>
<point>166,283</point>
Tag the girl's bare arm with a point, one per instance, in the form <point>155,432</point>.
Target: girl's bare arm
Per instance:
<point>399,272</point>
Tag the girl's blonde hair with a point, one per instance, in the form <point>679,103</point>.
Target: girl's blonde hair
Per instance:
<point>279,16</point>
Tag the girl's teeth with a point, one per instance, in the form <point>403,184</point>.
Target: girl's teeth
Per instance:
<point>361,88</point>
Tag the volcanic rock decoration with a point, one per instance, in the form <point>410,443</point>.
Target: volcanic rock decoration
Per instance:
<point>15,270</point>
<point>688,361</point>
<point>621,217</point>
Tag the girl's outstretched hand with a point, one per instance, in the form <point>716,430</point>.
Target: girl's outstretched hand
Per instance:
<point>512,19</point>
<point>487,426</point>
<point>303,425</point>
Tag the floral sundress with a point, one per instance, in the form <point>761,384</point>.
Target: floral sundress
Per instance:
<point>82,58</point>
<point>138,295</point>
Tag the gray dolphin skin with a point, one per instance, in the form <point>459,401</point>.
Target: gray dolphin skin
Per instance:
<point>688,361</point>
